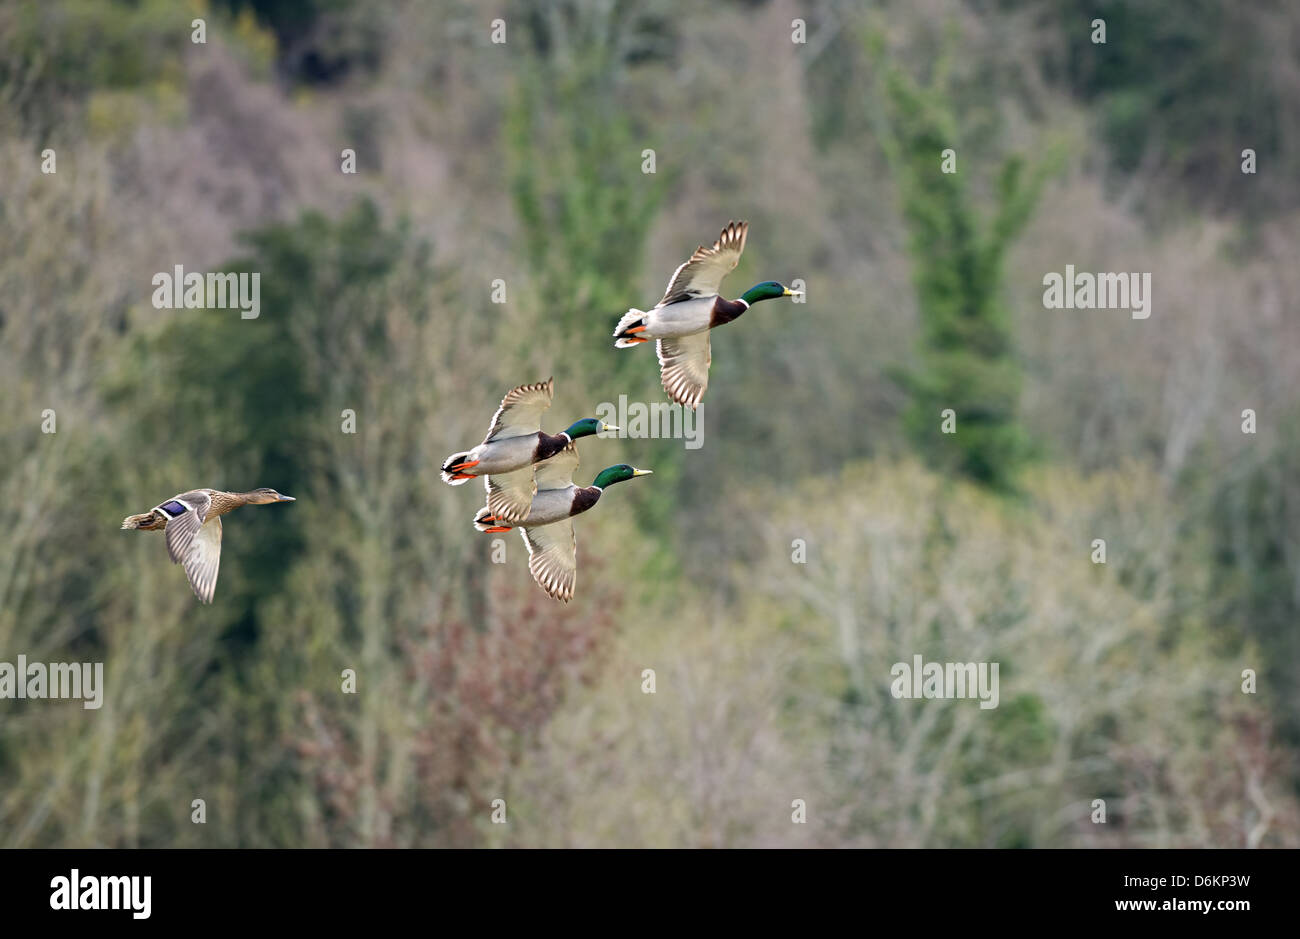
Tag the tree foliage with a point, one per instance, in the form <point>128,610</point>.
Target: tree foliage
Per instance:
<point>967,358</point>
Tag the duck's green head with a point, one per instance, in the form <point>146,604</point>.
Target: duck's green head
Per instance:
<point>768,290</point>
<point>586,427</point>
<point>617,474</point>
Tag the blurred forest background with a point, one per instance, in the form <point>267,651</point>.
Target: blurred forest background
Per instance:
<point>522,161</point>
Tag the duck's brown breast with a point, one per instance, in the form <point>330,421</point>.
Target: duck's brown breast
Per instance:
<point>224,503</point>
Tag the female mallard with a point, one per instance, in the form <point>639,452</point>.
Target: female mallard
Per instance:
<point>192,522</point>
<point>515,442</point>
<point>548,527</point>
<point>690,308</point>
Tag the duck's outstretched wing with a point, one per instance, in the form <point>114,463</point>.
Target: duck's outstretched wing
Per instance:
<point>701,275</point>
<point>521,410</point>
<point>557,472</point>
<point>510,495</point>
<point>553,558</point>
<point>185,515</point>
<point>684,367</point>
<point>192,542</point>
<point>204,559</point>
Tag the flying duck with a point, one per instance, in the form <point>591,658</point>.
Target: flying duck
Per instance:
<point>691,307</point>
<point>192,523</point>
<point>547,529</point>
<point>514,443</point>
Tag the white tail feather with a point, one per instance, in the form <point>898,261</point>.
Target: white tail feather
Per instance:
<point>484,520</point>
<point>630,318</point>
<point>447,472</point>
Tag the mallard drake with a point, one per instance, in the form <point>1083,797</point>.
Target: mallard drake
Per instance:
<point>547,529</point>
<point>192,523</point>
<point>514,442</point>
<point>691,306</point>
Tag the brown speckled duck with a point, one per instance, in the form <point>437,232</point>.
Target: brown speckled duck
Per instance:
<point>192,523</point>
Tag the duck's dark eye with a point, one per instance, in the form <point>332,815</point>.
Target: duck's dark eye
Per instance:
<point>172,508</point>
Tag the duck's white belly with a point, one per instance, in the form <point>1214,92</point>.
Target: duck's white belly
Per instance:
<point>684,318</point>
<point>549,505</point>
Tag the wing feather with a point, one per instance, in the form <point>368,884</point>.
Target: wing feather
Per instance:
<point>182,529</point>
<point>557,472</point>
<point>684,367</point>
<point>521,410</point>
<point>510,495</point>
<point>701,275</point>
<point>553,558</point>
<point>204,559</point>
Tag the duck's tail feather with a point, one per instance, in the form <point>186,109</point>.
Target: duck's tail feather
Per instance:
<point>449,474</point>
<point>625,337</point>
<point>146,522</point>
<point>486,520</point>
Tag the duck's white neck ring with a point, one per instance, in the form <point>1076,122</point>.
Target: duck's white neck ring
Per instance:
<point>565,435</point>
<point>744,301</point>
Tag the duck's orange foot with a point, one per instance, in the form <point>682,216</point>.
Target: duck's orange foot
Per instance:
<point>634,338</point>
<point>462,476</point>
<point>635,329</point>
<point>498,528</point>
<point>467,465</point>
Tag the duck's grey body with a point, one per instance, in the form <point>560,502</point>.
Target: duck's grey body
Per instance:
<point>505,454</point>
<point>684,318</point>
<point>549,505</point>
<point>554,505</point>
